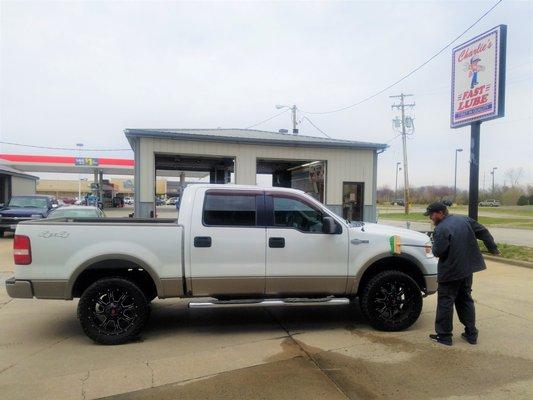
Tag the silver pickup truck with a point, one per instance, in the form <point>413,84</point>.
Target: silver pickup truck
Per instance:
<point>238,245</point>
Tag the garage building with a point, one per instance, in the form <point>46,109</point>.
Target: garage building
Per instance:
<point>339,173</point>
<point>15,183</point>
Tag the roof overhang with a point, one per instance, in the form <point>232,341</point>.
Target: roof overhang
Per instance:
<point>254,137</point>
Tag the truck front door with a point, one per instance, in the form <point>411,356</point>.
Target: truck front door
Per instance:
<point>300,258</point>
<point>228,244</point>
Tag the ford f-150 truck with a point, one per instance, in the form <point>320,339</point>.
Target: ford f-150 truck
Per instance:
<point>234,245</point>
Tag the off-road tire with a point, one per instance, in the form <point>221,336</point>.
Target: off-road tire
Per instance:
<point>98,301</point>
<point>408,308</point>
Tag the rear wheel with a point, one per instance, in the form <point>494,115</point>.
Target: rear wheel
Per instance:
<point>391,301</point>
<point>1,233</point>
<point>113,311</point>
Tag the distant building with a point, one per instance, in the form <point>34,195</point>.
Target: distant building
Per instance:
<point>15,183</point>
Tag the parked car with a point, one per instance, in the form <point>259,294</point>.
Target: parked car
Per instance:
<point>23,208</point>
<point>68,200</point>
<point>243,246</point>
<point>159,201</point>
<point>398,202</point>
<point>128,200</point>
<point>77,212</point>
<point>171,201</point>
<point>489,203</point>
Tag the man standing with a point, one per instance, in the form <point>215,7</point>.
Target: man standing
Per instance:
<point>455,243</point>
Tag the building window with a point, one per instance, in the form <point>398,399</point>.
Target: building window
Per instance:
<point>229,210</point>
<point>293,213</point>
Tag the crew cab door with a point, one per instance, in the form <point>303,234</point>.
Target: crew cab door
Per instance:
<point>227,246</point>
<point>300,258</point>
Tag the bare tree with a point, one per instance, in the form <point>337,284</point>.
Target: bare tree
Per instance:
<point>514,175</point>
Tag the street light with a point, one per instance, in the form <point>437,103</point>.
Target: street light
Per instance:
<point>492,173</point>
<point>79,146</point>
<point>455,179</point>
<point>294,122</point>
<point>398,168</point>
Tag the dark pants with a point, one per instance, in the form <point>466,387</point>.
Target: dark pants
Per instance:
<point>458,293</point>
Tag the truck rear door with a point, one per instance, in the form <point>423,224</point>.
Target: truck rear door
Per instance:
<point>227,243</point>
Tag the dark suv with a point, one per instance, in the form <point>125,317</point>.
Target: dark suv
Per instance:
<point>23,208</point>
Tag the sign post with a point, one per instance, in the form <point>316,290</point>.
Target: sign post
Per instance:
<point>478,93</point>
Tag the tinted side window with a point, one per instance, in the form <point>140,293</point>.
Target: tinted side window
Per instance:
<point>229,210</point>
<point>296,214</point>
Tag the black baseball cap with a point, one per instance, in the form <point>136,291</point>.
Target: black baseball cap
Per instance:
<point>435,207</point>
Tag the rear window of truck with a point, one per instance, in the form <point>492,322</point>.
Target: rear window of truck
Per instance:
<point>229,209</point>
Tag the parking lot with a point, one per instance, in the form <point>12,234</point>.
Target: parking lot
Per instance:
<point>296,353</point>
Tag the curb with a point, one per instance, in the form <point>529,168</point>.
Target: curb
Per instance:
<point>518,263</point>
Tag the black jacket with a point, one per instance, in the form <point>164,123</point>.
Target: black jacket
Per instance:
<point>455,243</point>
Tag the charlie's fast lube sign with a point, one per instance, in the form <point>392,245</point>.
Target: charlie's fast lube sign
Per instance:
<point>478,78</point>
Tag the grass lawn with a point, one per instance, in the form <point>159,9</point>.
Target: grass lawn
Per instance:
<point>510,251</point>
<point>419,217</point>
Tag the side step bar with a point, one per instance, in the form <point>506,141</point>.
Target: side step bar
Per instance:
<point>270,302</point>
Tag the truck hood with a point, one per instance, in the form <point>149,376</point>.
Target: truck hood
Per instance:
<point>413,237</point>
<point>22,212</point>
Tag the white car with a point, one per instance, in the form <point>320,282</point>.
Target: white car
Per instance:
<point>76,212</point>
<point>244,246</point>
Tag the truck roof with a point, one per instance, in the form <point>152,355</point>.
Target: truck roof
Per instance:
<point>230,186</point>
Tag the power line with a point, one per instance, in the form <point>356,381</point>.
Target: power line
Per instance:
<point>268,119</point>
<point>60,148</point>
<point>316,127</point>
<point>413,71</point>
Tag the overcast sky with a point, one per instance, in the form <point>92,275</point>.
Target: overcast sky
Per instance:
<point>83,71</point>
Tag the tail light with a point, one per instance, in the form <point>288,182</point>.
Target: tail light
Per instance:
<point>22,250</point>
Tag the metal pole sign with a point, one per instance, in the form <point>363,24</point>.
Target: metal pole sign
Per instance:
<point>478,93</point>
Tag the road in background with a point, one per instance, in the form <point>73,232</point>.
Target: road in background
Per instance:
<point>519,237</point>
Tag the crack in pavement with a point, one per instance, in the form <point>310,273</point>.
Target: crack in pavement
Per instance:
<point>35,353</point>
<point>83,380</point>
<point>152,373</point>
<point>503,311</point>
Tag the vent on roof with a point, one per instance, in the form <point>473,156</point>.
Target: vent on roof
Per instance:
<point>283,131</point>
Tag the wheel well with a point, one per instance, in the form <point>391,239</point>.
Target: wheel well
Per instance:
<point>394,263</point>
<point>108,268</point>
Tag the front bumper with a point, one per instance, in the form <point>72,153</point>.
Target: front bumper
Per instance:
<point>19,289</point>
<point>431,283</point>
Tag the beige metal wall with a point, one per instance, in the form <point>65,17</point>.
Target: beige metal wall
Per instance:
<point>342,164</point>
<point>22,186</point>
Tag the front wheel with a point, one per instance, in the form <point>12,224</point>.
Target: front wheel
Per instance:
<point>391,301</point>
<point>113,311</point>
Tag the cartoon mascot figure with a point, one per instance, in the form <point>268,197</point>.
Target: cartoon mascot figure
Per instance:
<point>473,69</point>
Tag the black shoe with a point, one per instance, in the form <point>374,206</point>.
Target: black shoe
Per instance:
<point>469,339</point>
<point>442,340</point>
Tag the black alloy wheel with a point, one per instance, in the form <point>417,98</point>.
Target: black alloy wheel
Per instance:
<point>391,301</point>
<point>113,311</point>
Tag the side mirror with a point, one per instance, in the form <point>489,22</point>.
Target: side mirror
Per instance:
<point>55,205</point>
<point>328,225</point>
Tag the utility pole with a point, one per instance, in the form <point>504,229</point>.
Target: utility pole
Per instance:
<point>294,122</point>
<point>396,186</point>
<point>405,123</point>
<point>493,188</point>
<point>455,178</point>
<point>79,146</point>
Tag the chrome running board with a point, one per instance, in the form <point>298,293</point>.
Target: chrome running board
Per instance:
<point>326,301</point>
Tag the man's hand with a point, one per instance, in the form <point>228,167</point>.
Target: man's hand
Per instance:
<point>496,253</point>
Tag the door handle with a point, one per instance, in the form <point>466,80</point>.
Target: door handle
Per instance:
<point>358,241</point>
<point>202,241</point>
<point>276,242</point>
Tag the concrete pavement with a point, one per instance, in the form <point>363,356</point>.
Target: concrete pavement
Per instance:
<point>281,353</point>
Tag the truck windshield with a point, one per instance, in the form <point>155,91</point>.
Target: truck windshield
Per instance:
<point>28,201</point>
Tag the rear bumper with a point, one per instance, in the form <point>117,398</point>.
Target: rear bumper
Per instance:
<point>431,283</point>
<point>19,289</point>
<point>41,289</point>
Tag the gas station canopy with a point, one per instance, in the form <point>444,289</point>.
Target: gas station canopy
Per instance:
<point>81,165</point>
